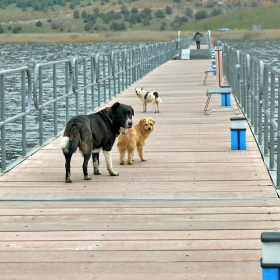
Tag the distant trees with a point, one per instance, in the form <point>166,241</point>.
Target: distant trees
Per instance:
<point>36,5</point>
<point>146,13</point>
<point>216,12</point>
<point>1,29</point>
<point>39,23</point>
<point>201,15</point>
<point>189,12</point>
<point>163,26</point>
<point>178,22</point>
<point>115,19</point>
<point>116,26</point>
<point>76,14</point>
<point>16,29</point>
<point>134,10</point>
<point>124,10</point>
<point>160,14</point>
<point>72,6</point>
<point>168,10</point>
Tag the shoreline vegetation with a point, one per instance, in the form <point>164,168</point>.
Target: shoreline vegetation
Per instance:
<point>133,36</point>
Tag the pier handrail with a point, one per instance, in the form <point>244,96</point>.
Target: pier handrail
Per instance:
<point>258,97</point>
<point>65,84</point>
<point>25,79</point>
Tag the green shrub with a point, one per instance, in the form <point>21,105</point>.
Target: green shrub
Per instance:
<point>16,29</point>
<point>39,23</point>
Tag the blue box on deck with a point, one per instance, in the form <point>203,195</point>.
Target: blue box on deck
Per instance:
<point>238,139</point>
<point>225,99</point>
<point>213,65</point>
<point>270,261</point>
<point>270,274</point>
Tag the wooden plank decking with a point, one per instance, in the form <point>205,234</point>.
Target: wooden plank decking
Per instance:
<point>194,210</point>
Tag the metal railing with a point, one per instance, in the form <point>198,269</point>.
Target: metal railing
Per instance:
<point>258,97</point>
<point>62,89</point>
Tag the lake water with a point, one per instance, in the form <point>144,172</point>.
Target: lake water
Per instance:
<point>29,54</point>
<point>267,51</point>
<point>15,55</point>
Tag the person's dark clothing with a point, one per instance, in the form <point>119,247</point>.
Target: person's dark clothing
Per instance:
<point>197,37</point>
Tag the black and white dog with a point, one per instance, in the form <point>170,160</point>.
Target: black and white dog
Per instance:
<point>147,97</point>
<point>94,132</point>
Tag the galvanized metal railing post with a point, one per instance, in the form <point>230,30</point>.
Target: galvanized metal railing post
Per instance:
<point>104,81</point>
<point>76,86</point>
<point>124,67</point>
<point>260,105</point>
<point>254,95</point>
<point>55,103</point>
<point>98,78</point>
<point>23,110</point>
<point>110,71</point>
<point>114,71</point>
<point>278,138</point>
<point>92,79</point>
<point>265,98</point>
<point>272,121</point>
<point>85,82</point>
<point>3,135</point>
<point>179,44</point>
<point>41,127</point>
<point>248,87</point>
<point>133,65</point>
<point>67,70</point>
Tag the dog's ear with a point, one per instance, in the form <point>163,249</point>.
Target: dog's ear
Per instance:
<point>132,111</point>
<point>152,120</point>
<point>141,88</point>
<point>114,107</point>
<point>142,122</point>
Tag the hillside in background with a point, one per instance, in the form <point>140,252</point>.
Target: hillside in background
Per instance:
<point>95,16</point>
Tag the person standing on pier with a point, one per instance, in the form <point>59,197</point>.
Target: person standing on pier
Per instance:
<point>197,37</point>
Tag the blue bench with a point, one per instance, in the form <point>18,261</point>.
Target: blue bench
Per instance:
<point>206,74</point>
<point>222,89</point>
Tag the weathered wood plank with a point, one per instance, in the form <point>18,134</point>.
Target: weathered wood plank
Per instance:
<point>114,256</point>
<point>134,270</point>
<point>131,235</point>
<point>163,226</point>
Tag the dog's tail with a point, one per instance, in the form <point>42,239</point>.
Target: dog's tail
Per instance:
<point>71,139</point>
<point>69,145</point>
<point>158,100</point>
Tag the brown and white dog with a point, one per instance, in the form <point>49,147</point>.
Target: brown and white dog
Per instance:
<point>135,138</point>
<point>147,97</point>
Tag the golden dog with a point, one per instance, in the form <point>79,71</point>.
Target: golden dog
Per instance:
<point>135,137</point>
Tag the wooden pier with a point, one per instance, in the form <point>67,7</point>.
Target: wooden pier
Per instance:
<point>194,210</point>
